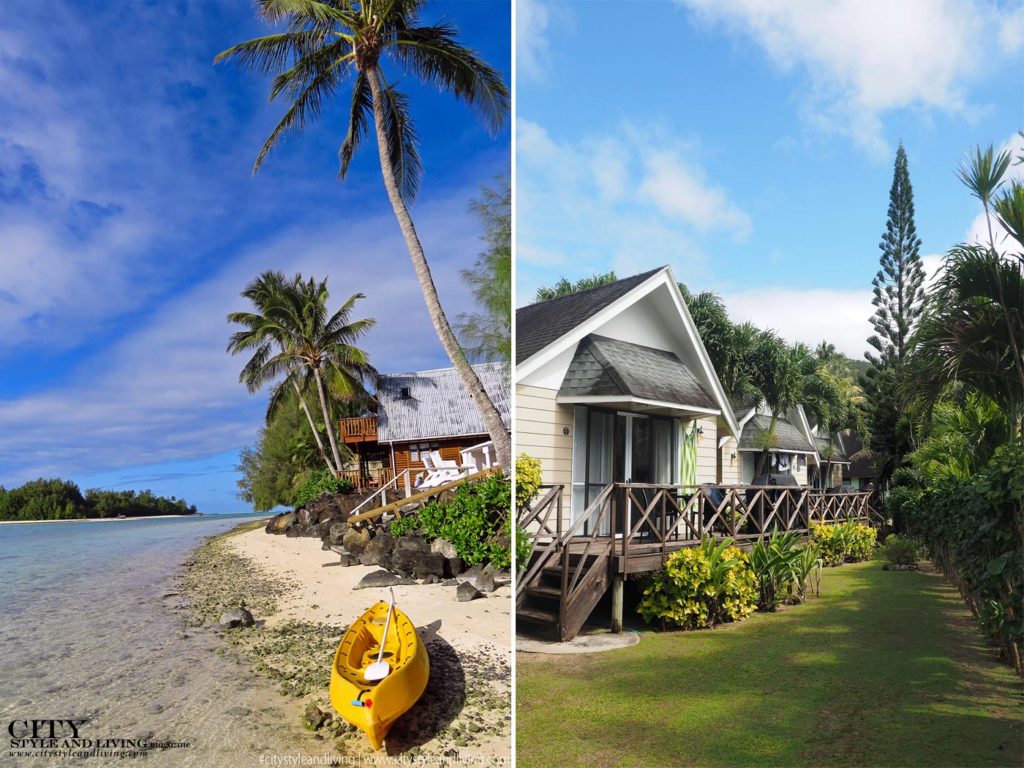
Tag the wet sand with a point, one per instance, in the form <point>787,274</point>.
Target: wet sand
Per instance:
<point>302,609</point>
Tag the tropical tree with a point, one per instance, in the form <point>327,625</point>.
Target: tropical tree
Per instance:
<point>291,335</point>
<point>328,45</point>
<point>898,301</point>
<point>487,333</point>
<point>566,288</point>
<point>973,329</point>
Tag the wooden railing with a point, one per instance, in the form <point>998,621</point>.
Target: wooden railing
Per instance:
<point>359,429</point>
<point>402,483</point>
<point>395,507</point>
<point>371,478</point>
<point>650,521</point>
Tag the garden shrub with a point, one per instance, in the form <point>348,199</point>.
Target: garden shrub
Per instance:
<point>808,564</point>
<point>528,482</point>
<point>974,532</point>
<point>475,519</point>
<point>317,482</point>
<point>774,561</point>
<point>902,550</point>
<point>700,587</point>
<point>844,542</point>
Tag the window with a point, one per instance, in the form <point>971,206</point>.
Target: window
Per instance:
<point>418,450</point>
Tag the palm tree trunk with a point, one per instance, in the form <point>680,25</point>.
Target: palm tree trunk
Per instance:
<point>488,412</point>
<point>327,418</point>
<point>768,441</point>
<point>312,426</point>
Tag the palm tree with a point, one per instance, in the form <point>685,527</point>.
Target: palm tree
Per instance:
<point>329,43</point>
<point>291,335</point>
<point>973,329</point>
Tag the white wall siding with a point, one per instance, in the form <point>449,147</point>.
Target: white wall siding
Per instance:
<point>540,423</point>
<point>730,466</point>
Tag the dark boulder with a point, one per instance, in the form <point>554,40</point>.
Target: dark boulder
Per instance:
<point>355,541</point>
<point>378,550</point>
<point>466,592</point>
<point>279,523</point>
<point>382,578</point>
<point>238,617</point>
<point>336,533</point>
<point>453,567</point>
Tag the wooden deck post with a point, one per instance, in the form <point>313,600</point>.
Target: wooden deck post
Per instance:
<point>617,590</point>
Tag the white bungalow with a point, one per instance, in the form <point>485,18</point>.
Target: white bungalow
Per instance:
<point>607,382</point>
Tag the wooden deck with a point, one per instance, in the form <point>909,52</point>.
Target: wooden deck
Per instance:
<point>362,429</point>
<point>632,528</point>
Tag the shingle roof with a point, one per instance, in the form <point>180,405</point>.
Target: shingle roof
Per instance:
<point>838,455</point>
<point>788,437</point>
<point>741,406</point>
<point>863,466</point>
<point>537,325</point>
<point>612,368</point>
<point>437,405</point>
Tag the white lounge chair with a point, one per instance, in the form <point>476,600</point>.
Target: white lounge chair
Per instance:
<point>478,457</point>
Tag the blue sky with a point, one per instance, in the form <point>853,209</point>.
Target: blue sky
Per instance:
<point>129,222</point>
<point>750,143</point>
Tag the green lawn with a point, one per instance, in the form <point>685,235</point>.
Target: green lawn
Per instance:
<point>884,669</point>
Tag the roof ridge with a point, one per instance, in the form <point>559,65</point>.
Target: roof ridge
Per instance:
<point>597,288</point>
<point>434,370</point>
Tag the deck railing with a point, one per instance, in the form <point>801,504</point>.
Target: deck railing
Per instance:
<point>359,429</point>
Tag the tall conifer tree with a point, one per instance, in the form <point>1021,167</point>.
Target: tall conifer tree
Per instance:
<point>898,302</point>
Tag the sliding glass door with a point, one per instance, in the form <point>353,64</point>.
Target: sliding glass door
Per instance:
<point>619,447</point>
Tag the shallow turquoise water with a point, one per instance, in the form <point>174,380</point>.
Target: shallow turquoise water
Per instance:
<point>91,627</point>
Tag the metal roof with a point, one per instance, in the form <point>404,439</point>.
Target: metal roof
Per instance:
<point>788,437</point>
<point>435,404</point>
<point>603,367</point>
<point>537,325</point>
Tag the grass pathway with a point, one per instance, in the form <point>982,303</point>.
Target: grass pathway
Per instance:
<point>884,669</point>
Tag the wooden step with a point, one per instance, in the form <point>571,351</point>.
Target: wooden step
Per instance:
<point>532,614</point>
<point>548,593</point>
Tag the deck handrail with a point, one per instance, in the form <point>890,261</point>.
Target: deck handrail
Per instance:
<point>415,498</point>
<point>404,475</point>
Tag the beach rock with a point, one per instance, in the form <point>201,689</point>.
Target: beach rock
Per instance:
<point>355,541</point>
<point>453,567</point>
<point>428,564</point>
<point>279,523</point>
<point>431,579</point>
<point>470,574</point>
<point>502,578</point>
<point>336,533</point>
<point>306,517</point>
<point>378,551</point>
<point>238,617</point>
<point>445,547</point>
<point>485,582</point>
<point>466,592</point>
<point>314,718</point>
<point>382,578</point>
<point>411,543</point>
<point>348,559</point>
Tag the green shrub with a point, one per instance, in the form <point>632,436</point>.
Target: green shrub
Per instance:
<point>476,519</point>
<point>774,560</point>
<point>528,481</point>
<point>843,542</point>
<point>808,564</point>
<point>524,543</point>
<point>320,481</point>
<point>700,587</point>
<point>902,550</point>
<point>972,530</point>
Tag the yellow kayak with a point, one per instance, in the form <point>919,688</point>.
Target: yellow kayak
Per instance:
<point>374,706</point>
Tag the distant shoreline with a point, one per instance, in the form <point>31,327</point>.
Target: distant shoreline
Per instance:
<point>100,519</point>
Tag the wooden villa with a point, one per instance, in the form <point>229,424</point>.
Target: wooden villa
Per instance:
<point>418,413</point>
<point>641,451</point>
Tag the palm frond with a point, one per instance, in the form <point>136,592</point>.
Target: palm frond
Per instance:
<point>433,54</point>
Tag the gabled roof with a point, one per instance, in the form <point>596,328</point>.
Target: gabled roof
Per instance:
<point>742,406</point>
<point>821,444</point>
<point>537,325</point>
<point>863,466</point>
<point>551,329</point>
<point>788,437</point>
<point>437,405</point>
<point>612,368</point>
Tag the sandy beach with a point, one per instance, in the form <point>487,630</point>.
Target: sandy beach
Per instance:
<point>302,609</point>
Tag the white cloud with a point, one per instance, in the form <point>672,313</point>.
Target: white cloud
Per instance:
<point>840,316</point>
<point>626,200</point>
<point>169,391</point>
<point>863,58</point>
<point>536,20</point>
